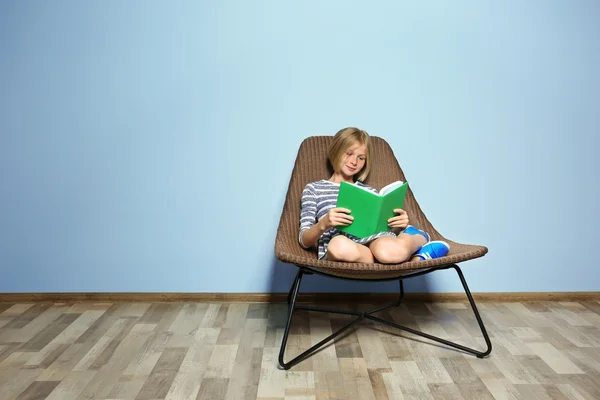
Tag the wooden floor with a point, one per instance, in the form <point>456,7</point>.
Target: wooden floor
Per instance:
<point>541,350</point>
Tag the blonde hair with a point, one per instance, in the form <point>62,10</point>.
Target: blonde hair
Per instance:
<point>342,140</point>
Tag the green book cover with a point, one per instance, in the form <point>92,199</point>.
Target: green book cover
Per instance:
<point>371,211</point>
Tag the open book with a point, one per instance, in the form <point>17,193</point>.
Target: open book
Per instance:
<point>371,211</point>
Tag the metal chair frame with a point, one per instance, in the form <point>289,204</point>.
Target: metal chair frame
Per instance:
<point>293,307</point>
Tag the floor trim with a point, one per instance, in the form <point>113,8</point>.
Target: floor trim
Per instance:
<point>280,297</point>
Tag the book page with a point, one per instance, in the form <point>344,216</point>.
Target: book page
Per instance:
<point>363,188</point>
<point>388,188</point>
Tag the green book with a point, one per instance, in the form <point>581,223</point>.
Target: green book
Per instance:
<point>371,211</point>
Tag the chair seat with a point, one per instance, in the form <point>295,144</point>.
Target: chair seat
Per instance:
<point>458,253</point>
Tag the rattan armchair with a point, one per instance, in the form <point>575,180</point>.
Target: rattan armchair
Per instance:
<point>311,164</point>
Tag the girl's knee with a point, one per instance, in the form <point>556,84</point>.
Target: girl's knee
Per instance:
<point>342,249</point>
<point>390,251</point>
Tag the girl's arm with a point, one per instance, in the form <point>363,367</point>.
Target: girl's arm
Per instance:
<point>310,230</point>
<point>310,236</point>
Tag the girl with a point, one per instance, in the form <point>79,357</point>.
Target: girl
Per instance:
<point>350,156</point>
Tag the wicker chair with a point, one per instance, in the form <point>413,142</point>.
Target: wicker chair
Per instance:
<point>311,164</point>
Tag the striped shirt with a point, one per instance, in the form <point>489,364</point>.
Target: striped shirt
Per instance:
<point>317,199</point>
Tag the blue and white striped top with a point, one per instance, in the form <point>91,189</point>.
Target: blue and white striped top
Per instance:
<point>317,199</point>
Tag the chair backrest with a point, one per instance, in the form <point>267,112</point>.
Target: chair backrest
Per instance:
<point>312,164</point>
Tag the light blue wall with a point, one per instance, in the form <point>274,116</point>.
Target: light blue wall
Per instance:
<point>147,146</point>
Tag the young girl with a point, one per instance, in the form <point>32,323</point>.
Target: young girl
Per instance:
<point>350,156</point>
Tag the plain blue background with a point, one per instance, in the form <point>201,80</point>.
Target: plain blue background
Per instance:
<point>147,145</point>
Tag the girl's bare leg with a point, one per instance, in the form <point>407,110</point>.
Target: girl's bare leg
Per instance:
<point>341,248</point>
<point>390,250</point>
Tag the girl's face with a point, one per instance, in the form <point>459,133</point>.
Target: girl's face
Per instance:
<point>354,160</point>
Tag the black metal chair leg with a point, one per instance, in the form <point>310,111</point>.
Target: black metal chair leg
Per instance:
<point>401,291</point>
<point>298,277</point>
<point>476,312</point>
<point>394,304</point>
<point>291,309</point>
<point>479,354</point>
<point>291,305</point>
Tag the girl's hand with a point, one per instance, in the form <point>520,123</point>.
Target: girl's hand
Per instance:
<point>399,221</point>
<point>336,217</point>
